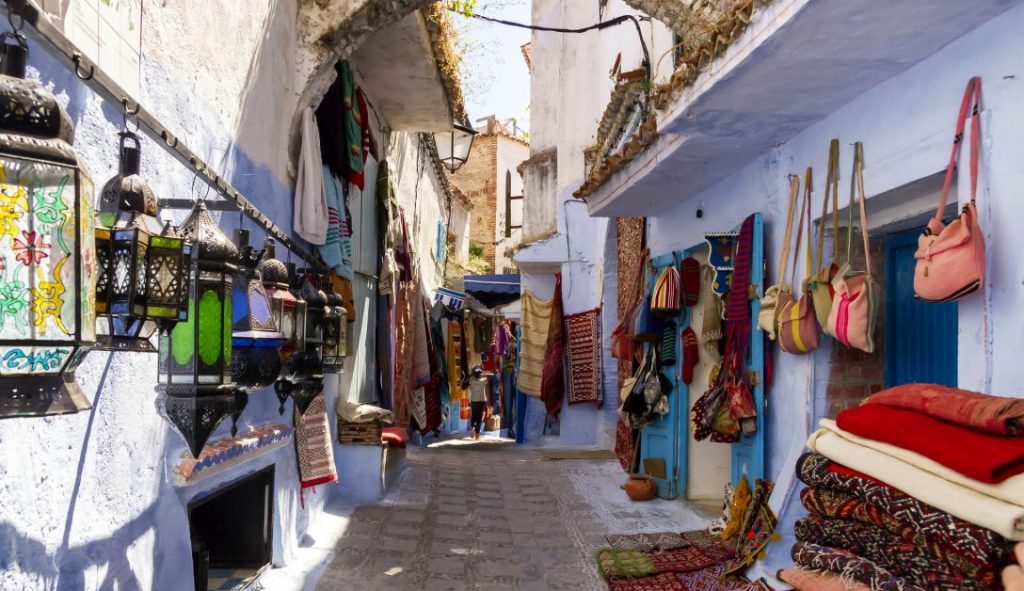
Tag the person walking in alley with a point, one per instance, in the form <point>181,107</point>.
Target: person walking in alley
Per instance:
<point>478,385</point>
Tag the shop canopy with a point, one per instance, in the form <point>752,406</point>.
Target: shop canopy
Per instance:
<point>492,290</point>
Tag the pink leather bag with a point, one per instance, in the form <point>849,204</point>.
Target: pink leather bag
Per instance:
<point>951,259</point>
<point>852,318</point>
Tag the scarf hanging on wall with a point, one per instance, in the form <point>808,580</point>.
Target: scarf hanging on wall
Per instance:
<point>553,378</point>
<point>583,351</point>
<point>313,444</point>
<point>533,343</point>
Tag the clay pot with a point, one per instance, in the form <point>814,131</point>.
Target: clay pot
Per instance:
<point>640,487</point>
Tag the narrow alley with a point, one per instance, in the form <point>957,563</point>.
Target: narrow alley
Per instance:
<point>489,515</point>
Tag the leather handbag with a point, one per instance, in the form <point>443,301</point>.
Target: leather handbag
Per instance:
<point>798,326</point>
<point>852,318</point>
<point>820,284</point>
<point>665,298</point>
<point>779,294</point>
<point>951,259</point>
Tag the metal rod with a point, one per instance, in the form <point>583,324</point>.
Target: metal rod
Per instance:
<point>100,81</point>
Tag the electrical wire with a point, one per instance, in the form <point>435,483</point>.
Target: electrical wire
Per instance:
<point>597,26</point>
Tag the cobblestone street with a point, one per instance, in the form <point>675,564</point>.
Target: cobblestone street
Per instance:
<point>490,516</point>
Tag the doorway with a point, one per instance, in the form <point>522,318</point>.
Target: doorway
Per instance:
<point>232,533</point>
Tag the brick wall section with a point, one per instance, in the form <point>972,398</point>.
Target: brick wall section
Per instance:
<point>853,374</point>
<point>478,179</point>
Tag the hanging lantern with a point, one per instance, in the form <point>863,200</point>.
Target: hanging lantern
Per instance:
<point>316,312</point>
<point>335,331</point>
<point>142,271</point>
<point>47,250</point>
<point>453,147</point>
<point>288,311</point>
<point>300,364</point>
<point>195,391</point>
<point>255,341</point>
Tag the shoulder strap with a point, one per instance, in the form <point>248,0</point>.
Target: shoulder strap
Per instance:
<point>808,189</point>
<point>804,208</point>
<point>971,94</point>
<point>858,176</point>
<point>794,190</point>
<point>831,186</point>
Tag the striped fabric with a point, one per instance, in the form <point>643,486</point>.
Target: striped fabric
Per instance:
<point>798,326</point>
<point>665,299</point>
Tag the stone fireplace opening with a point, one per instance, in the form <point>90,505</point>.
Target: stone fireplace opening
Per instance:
<point>232,533</point>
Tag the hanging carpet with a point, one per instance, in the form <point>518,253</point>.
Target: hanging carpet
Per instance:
<point>313,444</point>
<point>552,388</point>
<point>583,352</point>
<point>405,298</point>
<point>533,343</point>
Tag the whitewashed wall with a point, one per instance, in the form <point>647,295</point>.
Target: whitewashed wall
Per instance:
<point>906,124</point>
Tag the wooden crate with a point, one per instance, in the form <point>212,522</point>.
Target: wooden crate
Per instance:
<point>359,433</point>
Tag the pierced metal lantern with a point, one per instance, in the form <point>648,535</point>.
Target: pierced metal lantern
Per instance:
<point>47,251</point>
<point>195,391</point>
<point>335,331</point>
<point>255,358</point>
<point>289,312</point>
<point>316,311</point>
<point>142,280</point>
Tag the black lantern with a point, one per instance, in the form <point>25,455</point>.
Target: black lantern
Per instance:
<point>142,270</point>
<point>335,331</point>
<point>288,311</point>
<point>255,358</point>
<point>195,391</point>
<point>453,147</point>
<point>316,311</point>
<point>47,250</point>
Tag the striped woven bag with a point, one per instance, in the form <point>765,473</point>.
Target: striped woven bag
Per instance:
<point>665,297</point>
<point>798,325</point>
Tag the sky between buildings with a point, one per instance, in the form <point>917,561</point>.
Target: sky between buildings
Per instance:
<point>495,77</point>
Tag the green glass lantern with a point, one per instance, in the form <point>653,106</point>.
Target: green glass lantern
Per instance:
<point>47,250</point>
<point>256,341</point>
<point>195,391</point>
<point>142,270</point>
<point>335,331</point>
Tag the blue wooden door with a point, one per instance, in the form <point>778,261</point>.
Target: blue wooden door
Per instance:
<point>749,452</point>
<point>665,439</point>
<point>920,337</point>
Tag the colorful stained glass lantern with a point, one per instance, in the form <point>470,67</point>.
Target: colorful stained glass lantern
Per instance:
<point>195,391</point>
<point>47,250</point>
<point>335,331</point>
<point>142,277</point>
<point>256,341</point>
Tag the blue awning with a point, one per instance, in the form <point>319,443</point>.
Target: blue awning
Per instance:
<point>492,290</point>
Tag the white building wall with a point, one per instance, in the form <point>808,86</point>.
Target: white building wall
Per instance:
<point>511,153</point>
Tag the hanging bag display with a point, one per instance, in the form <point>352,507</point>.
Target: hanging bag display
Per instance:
<point>951,259</point>
<point>665,296</point>
<point>854,307</point>
<point>776,296</point>
<point>647,327</point>
<point>798,326</point>
<point>820,284</point>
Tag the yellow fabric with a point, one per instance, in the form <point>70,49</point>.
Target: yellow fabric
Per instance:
<point>532,346</point>
<point>740,501</point>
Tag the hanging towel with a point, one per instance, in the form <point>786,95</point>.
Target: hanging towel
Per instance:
<point>313,445</point>
<point>331,250</point>
<point>309,218</point>
<point>533,343</point>
<point>352,122</point>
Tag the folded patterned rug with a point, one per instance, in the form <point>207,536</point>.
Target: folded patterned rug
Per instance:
<point>659,582</point>
<point>977,455</point>
<point>714,579</point>
<point>994,414</point>
<point>836,505</point>
<point>887,550</point>
<point>977,545</point>
<point>849,566</point>
<point>617,563</point>
<point>807,580</point>
<point>893,466</point>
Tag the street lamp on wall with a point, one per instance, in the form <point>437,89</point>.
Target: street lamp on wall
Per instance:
<point>47,249</point>
<point>453,147</point>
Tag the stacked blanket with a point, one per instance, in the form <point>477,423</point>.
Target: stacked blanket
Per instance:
<point>919,488</point>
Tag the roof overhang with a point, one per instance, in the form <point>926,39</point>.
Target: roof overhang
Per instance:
<point>797,63</point>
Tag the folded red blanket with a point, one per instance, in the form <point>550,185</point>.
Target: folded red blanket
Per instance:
<point>981,456</point>
<point>994,414</point>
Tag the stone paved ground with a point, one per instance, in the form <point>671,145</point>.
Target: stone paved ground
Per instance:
<point>492,516</point>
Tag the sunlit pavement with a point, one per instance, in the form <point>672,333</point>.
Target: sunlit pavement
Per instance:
<point>489,515</point>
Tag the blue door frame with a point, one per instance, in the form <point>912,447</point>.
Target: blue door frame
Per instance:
<point>665,438</point>
<point>920,337</point>
<point>748,454</point>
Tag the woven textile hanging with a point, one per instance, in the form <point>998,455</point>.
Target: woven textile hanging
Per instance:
<point>583,350</point>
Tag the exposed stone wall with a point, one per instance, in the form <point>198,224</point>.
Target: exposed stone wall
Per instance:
<point>478,181</point>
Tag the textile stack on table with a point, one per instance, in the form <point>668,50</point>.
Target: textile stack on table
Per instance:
<point>704,560</point>
<point>919,488</point>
